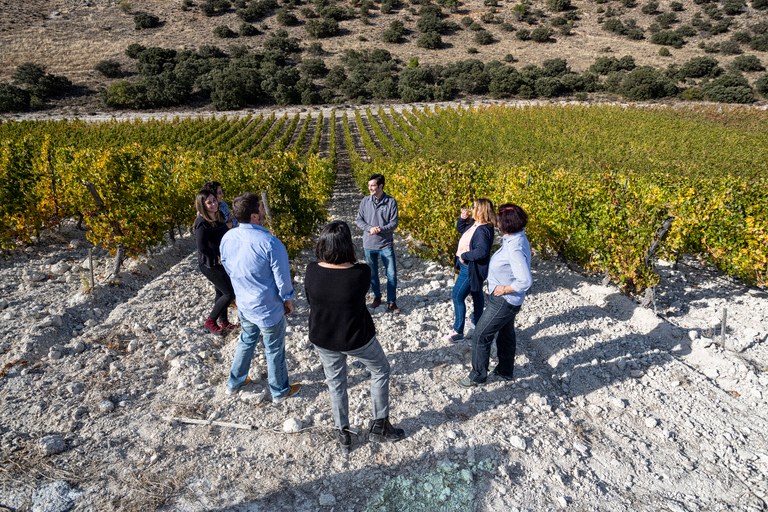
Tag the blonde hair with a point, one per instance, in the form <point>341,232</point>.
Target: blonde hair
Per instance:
<point>203,211</point>
<point>485,213</point>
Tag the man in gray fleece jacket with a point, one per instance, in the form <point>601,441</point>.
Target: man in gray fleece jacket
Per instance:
<point>378,219</point>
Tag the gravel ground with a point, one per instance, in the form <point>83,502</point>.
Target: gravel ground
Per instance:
<point>614,407</point>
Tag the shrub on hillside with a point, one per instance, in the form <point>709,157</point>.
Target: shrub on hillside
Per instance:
<point>483,37</point>
<point>668,38</point>
<point>541,34</point>
<point>430,41</point>
<point>761,85</point>
<point>38,83</point>
<point>645,83</point>
<point>165,90</point>
<point>224,32</point>
<point>558,5</point>
<point>605,65</point>
<point>122,94</point>
<point>760,5</point>
<point>394,33</point>
<point>155,60</point>
<point>759,43</point>
<point>505,81</point>
<point>699,67</point>
<point>651,7</point>
<point>13,99</point>
<point>279,40</point>
<point>144,21</point>
<point>523,34</point>
<point>747,63</point>
<point>134,49</point>
<point>286,18</point>
<point>729,89</point>
<point>313,67</point>
<point>547,87</point>
<point>319,29</point>
<point>108,68</point>
<point>247,30</point>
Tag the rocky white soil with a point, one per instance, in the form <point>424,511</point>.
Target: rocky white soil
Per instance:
<point>614,407</point>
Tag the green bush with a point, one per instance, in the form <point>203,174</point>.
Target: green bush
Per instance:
<point>286,18</point>
<point>507,27</point>
<point>729,89</point>
<point>466,21</point>
<point>108,68</point>
<point>144,21</point>
<point>121,94</point>
<point>523,34</point>
<point>605,65</point>
<point>558,5</point>
<point>733,7</point>
<point>761,84</point>
<point>692,94</point>
<point>730,48</point>
<point>651,7</point>
<point>547,87</point>
<point>676,6</point>
<point>209,51</point>
<point>668,38</point>
<point>699,67</point>
<point>664,52</point>
<point>248,30</point>
<point>313,67</point>
<point>483,37</point>
<point>759,43</point>
<point>509,58</point>
<point>319,29</point>
<point>279,40</point>
<point>742,36</point>
<point>315,48</point>
<point>38,83</point>
<point>394,33</point>
<point>761,27</point>
<point>645,83</point>
<point>236,51</point>
<point>133,50</point>
<point>760,5</point>
<point>429,23</point>
<point>155,60</point>
<point>13,99</point>
<point>28,73</point>
<point>667,19</point>
<point>540,34</point>
<point>125,6</point>
<point>747,63</point>
<point>472,50</point>
<point>430,41</point>
<point>224,32</point>
<point>165,90</point>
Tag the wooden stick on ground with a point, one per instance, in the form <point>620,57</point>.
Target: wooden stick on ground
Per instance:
<point>194,421</point>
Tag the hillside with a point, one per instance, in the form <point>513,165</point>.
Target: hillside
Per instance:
<point>70,37</point>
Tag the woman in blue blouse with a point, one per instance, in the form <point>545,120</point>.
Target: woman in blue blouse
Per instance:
<point>509,277</point>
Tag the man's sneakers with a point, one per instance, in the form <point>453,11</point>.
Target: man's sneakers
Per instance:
<point>382,431</point>
<point>393,308</point>
<point>376,302</point>
<point>230,392</point>
<point>495,372</point>
<point>468,383</point>
<point>291,391</point>
<point>453,337</point>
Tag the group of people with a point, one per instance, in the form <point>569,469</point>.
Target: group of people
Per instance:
<point>249,263</point>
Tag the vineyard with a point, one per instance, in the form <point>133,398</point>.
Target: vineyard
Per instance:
<point>609,188</point>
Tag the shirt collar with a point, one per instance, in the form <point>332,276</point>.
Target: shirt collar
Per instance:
<point>248,225</point>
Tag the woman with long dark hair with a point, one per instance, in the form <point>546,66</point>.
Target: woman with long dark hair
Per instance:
<point>340,326</point>
<point>509,278</point>
<point>210,227</point>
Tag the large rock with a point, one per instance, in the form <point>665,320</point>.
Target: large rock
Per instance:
<point>51,445</point>
<point>53,497</point>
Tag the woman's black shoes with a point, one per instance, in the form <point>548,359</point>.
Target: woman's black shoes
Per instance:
<point>382,431</point>
<point>344,439</point>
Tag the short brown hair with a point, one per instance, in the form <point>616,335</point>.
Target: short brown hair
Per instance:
<point>512,218</point>
<point>244,205</point>
<point>485,213</point>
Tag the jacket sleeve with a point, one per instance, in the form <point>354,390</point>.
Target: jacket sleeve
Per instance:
<point>394,219</point>
<point>201,238</point>
<point>521,270</point>
<point>483,240</point>
<point>464,224</point>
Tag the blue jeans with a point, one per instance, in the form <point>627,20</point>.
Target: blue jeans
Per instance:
<point>498,317</point>
<point>335,367</point>
<point>461,290</point>
<point>274,349</point>
<point>388,258</point>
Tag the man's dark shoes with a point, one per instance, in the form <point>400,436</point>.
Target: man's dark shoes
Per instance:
<point>344,439</point>
<point>376,302</point>
<point>495,371</point>
<point>393,308</point>
<point>382,431</point>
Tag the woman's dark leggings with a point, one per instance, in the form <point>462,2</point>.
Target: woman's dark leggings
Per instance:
<point>224,292</point>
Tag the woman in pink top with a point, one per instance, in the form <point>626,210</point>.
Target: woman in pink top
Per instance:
<point>471,260</point>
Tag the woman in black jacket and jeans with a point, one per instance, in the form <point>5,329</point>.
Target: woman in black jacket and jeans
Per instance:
<point>471,260</point>
<point>210,227</point>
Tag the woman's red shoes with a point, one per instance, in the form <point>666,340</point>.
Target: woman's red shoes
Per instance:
<point>212,326</point>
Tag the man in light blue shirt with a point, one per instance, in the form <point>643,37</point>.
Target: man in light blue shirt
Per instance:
<point>257,264</point>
